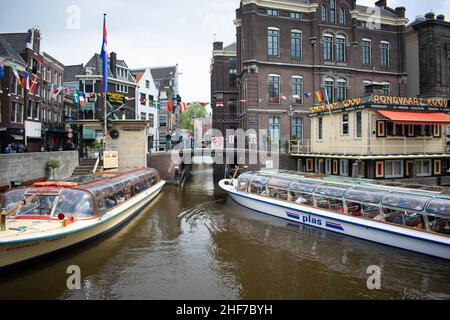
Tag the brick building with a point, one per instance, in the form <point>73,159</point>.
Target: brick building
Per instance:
<point>288,48</point>
<point>31,117</point>
<point>224,87</point>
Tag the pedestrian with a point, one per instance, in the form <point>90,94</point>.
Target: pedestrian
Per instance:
<point>168,141</point>
<point>13,148</point>
<point>20,148</point>
<point>8,149</point>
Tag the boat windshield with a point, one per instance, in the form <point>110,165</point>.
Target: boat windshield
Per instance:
<point>405,201</point>
<point>11,199</point>
<point>365,195</point>
<point>439,207</point>
<point>75,203</point>
<point>331,191</point>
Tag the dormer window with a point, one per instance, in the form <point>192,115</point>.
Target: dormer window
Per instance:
<point>272,12</point>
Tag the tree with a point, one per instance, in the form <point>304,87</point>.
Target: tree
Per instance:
<point>194,111</point>
<point>53,165</point>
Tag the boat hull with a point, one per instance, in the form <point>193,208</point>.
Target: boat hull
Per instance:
<point>15,253</point>
<point>409,239</point>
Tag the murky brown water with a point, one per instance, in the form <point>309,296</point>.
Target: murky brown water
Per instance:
<point>199,244</point>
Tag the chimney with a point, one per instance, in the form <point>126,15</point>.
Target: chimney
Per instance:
<point>400,12</point>
<point>218,45</point>
<point>381,3</point>
<point>113,63</point>
<point>441,17</point>
<point>429,16</point>
<point>374,88</point>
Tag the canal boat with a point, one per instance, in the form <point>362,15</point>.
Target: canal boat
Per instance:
<point>55,215</point>
<point>416,219</point>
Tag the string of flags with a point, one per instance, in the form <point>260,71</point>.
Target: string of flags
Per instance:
<point>318,95</point>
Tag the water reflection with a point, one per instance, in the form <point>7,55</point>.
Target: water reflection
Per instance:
<point>197,243</point>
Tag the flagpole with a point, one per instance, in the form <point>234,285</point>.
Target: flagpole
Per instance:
<point>105,89</point>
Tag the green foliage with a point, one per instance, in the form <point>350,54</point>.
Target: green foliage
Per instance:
<point>194,111</point>
<point>54,164</point>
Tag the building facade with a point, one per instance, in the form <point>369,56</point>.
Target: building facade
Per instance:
<point>378,137</point>
<point>224,87</point>
<point>32,114</point>
<point>145,109</point>
<point>288,50</point>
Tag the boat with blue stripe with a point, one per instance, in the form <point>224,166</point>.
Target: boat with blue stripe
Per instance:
<point>410,217</point>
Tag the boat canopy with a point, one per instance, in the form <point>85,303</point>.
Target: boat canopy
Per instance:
<point>433,203</point>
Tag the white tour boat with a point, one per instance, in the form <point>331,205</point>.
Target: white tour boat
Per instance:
<point>407,218</point>
<point>52,216</point>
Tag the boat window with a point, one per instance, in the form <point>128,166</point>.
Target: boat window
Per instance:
<point>336,192</point>
<point>405,201</point>
<point>308,187</point>
<point>259,180</point>
<point>278,193</point>
<point>243,182</point>
<point>437,224</point>
<point>323,203</point>
<point>302,198</point>
<point>11,199</point>
<point>38,205</point>
<point>280,183</point>
<point>364,195</point>
<point>75,203</point>
<point>439,206</point>
<point>400,217</point>
<point>337,205</point>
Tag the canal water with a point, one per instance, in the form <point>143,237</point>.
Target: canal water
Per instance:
<point>196,243</point>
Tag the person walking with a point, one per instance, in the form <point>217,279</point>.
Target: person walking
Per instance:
<point>8,149</point>
<point>168,141</point>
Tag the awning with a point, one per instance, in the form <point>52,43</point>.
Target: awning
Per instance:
<point>404,117</point>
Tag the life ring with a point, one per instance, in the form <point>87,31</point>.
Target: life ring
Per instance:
<point>59,184</point>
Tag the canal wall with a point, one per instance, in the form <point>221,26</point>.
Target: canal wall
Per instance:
<point>31,166</point>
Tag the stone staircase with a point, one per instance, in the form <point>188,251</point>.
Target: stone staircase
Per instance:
<point>86,167</point>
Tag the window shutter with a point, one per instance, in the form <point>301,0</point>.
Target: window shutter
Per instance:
<point>437,167</point>
<point>410,132</point>
<point>437,131</point>
<point>379,169</point>
<point>309,165</point>
<point>336,167</point>
<point>381,128</point>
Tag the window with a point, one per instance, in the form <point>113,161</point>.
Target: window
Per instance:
<point>274,130</point>
<point>387,89</point>
<point>296,15</point>
<point>89,86</point>
<point>342,16</point>
<point>343,167</point>
<point>30,109</point>
<point>296,44</point>
<point>340,49</point>
<point>423,168</point>
<point>121,88</point>
<point>151,119</point>
<point>448,70</point>
<point>341,90</point>
<point>333,11</point>
<point>297,128</point>
<point>320,129</point>
<point>143,116</point>
<point>344,124</point>
<point>273,41</point>
<point>393,168</point>
<point>324,13</point>
<point>366,51</point>
<point>297,89</point>
<point>143,99</point>
<point>233,78</point>
<point>274,88</point>
<point>272,12</point>
<point>162,121</point>
<point>14,85</point>
<point>147,84</point>
<point>328,48</point>
<point>13,114</point>
<point>385,49</point>
<point>329,89</point>
<point>358,124</point>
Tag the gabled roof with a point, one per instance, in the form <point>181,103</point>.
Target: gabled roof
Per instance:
<point>49,57</point>
<point>163,73</point>
<point>137,75</point>
<point>96,64</point>
<point>70,72</point>
<point>6,51</point>
<point>231,47</point>
<point>17,41</point>
<point>385,11</point>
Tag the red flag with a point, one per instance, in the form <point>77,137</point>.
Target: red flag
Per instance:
<point>170,106</point>
<point>33,84</point>
<point>219,104</point>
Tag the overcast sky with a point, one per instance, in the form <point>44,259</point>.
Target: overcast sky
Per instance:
<point>148,33</point>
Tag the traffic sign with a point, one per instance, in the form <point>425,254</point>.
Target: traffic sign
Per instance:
<point>217,142</point>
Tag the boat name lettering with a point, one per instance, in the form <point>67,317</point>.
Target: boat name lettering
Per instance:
<point>24,246</point>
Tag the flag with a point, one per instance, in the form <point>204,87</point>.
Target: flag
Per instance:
<point>2,70</point>
<point>308,94</point>
<point>157,105</point>
<point>182,106</point>
<point>26,80</point>
<point>82,99</point>
<point>319,96</point>
<point>104,56</point>
<point>33,84</point>
<point>76,97</point>
<point>283,98</point>
<point>219,104</point>
<point>170,106</point>
<point>16,74</point>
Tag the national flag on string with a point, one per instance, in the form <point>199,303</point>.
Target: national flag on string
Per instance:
<point>219,104</point>
<point>182,106</point>
<point>244,101</point>
<point>104,56</point>
<point>296,97</point>
<point>283,98</point>
<point>170,106</point>
<point>319,96</point>
<point>16,74</point>
<point>2,70</point>
<point>76,97</point>
<point>157,105</point>
<point>82,99</point>
<point>308,94</point>
<point>26,80</point>
<point>33,84</point>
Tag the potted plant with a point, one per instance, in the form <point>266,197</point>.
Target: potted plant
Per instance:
<point>53,165</point>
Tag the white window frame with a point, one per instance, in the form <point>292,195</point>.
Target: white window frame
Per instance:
<point>347,122</point>
<point>388,53</point>
<point>370,52</point>
<point>341,36</point>
<point>301,87</point>
<point>393,174</point>
<point>328,166</point>
<point>344,167</point>
<point>430,167</point>
<point>296,31</point>
<point>356,125</point>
